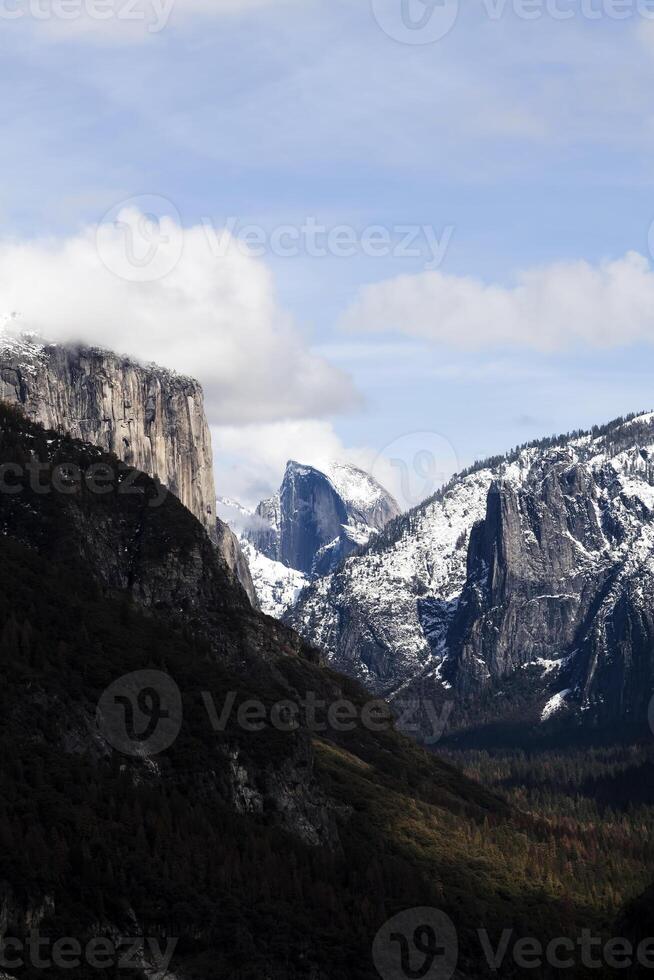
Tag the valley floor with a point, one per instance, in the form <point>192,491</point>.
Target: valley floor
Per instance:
<point>599,805</point>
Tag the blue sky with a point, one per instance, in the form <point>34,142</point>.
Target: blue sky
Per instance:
<point>530,140</point>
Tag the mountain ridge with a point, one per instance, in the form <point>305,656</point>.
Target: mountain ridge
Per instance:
<point>393,614</point>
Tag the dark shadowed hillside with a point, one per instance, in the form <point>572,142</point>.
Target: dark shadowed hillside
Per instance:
<point>267,853</point>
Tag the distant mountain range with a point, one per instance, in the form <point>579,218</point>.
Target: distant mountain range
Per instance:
<point>522,592</point>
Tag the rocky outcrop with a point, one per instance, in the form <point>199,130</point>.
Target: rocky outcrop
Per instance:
<point>531,583</point>
<point>560,578</point>
<point>318,519</point>
<point>151,418</point>
<point>306,530</point>
<point>264,533</point>
<point>231,550</point>
<point>312,517</point>
<point>380,616</point>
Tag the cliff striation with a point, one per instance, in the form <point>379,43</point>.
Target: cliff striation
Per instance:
<point>150,417</point>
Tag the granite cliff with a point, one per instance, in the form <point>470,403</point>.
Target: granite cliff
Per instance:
<point>306,529</point>
<point>149,417</point>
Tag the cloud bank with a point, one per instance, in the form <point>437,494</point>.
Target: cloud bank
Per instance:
<point>250,460</point>
<point>550,308</point>
<point>166,296</point>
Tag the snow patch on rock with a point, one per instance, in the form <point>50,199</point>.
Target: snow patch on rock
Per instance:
<point>555,704</point>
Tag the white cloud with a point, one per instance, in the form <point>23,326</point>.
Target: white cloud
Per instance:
<point>549,308</point>
<point>250,460</point>
<point>213,316</point>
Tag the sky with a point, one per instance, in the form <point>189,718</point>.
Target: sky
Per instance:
<point>405,233</point>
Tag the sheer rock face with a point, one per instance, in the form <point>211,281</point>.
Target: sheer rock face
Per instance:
<point>151,418</point>
<point>560,578</point>
<point>318,519</point>
<point>266,534</point>
<point>231,550</point>
<point>312,516</point>
<point>528,591</point>
<point>525,585</point>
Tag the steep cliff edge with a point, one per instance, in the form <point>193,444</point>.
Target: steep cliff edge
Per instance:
<point>151,418</point>
<point>317,519</point>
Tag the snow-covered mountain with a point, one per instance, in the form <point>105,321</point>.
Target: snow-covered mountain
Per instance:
<point>524,588</point>
<point>277,586</point>
<point>308,528</point>
<point>318,518</point>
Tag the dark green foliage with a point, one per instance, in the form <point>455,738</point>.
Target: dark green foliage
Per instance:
<point>599,803</point>
<point>103,842</point>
